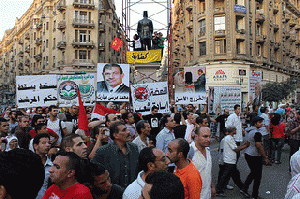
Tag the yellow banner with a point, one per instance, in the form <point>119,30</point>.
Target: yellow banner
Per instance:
<point>143,56</point>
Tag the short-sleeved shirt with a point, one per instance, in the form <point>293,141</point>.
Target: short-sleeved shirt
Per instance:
<point>229,146</point>
<point>77,191</point>
<point>277,131</point>
<point>253,136</point>
<point>116,192</point>
<point>222,119</point>
<point>292,124</point>
<point>154,122</point>
<point>55,127</point>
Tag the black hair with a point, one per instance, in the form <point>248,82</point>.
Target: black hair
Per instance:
<point>68,141</point>
<point>52,107</point>
<point>108,66</point>
<point>263,109</point>
<point>177,118</point>
<point>255,120</point>
<point>39,107</point>
<point>183,146</point>
<point>153,108</point>
<point>275,120</point>
<point>2,119</point>
<point>38,137</point>
<point>165,186</point>
<point>114,128</point>
<point>164,120</point>
<point>146,155</point>
<point>136,117</point>
<point>199,120</point>
<point>236,106</point>
<point>125,116</point>
<point>140,125</point>
<point>39,126</point>
<point>23,169</point>
<point>35,118</point>
<point>96,169</point>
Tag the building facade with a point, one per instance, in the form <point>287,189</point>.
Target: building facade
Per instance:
<point>58,36</point>
<point>238,35</point>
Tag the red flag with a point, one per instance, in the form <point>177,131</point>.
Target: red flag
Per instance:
<point>116,44</point>
<point>82,117</point>
<point>100,111</point>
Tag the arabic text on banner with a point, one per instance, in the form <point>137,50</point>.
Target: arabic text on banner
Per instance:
<point>34,91</point>
<point>143,56</point>
<point>145,96</point>
<point>113,83</point>
<point>67,92</point>
<point>222,97</point>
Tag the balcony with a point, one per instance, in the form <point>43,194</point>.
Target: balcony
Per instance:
<point>39,25</point>
<point>27,62</point>
<point>101,28</point>
<point>276,27</point>
<point>38,57</point>
<point>6,63</point>
<point>287,35</point>
<point>38,41</point>
<point>275,9</point>
<point>297,42</point>
<point>287,17</point>
<point>190,44</point>
<point>189,6</point>
<point>219,33</point>
<point>260,38</point>
<point>27,36</point>
<point>276,45</point>
<point>20,66</point>
<point>61,63</point>
<point>83,63</point>
<point>102,11</point>
<point>21,42</point>
<point>260,1</point>
<point>61,25</point>
<point>293,23</point>
<point>83,23</point>
<point>260,60</point>
<point>293,38</point>
<point>219,10</point>
<point>297,27</point>
<point>62,6</point>
<point>78,44</point>
<point>292,54</point>
<point>101,46</point>
<point>260,18</point>
<point>240,34</point>
<point>297,57</point>
<point>89,4</point>
<point>61,45</point>
<point>201,34</point>
<point>190,25</point>
<point>27,49</point>
<point>21,53</point>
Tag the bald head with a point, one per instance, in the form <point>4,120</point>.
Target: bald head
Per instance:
<point>202,137</point>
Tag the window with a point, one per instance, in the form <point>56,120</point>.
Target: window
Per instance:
<point>82,36</point>
<point>251,50</point>
<point>202,48</point>
<point>54,25</point>
<point>219,23</point>
<point>220,46</point>
<point>202,27</point>
<point>47,60</point>
<point>47,25</point>
<point>258,50</point>
<point>53,61</point>
<point>82,54</point>
<point>46,43</point>
<point>34,36</point>
<point>54,43</point>
<point>63,55</point>
<point>89,36</point>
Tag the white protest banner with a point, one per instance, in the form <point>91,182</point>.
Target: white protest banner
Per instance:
<point>223,97</point>
<point>34,91</point>
<point>145,96</point>
<point>67,89</point>
<point>190,85</point>
<point>255,87</point>
<point>113,82</point>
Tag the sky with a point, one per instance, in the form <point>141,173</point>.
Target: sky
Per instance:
<point>10,9</point>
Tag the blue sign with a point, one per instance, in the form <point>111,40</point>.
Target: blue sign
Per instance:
<point>240,8</point>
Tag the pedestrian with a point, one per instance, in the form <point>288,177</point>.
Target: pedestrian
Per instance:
<point>254,155</point>
<point>265,131</point>
<point>153,119</point>
<point>178,150</point>
<point>277,130</point>
<point>293,131</point>
<point>222,119</point>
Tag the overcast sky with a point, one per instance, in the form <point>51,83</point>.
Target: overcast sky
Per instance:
<point>10,9</point>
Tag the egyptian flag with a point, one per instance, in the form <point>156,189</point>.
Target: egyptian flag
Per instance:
<point>100,111</point>
<point>116,44</point>
<point>82,117</point>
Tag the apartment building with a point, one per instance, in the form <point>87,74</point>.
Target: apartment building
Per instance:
<point>58,36</point>
<point>237,37</point>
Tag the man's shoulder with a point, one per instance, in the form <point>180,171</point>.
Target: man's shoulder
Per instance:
<point>133,146</point>
<point>80,189</point>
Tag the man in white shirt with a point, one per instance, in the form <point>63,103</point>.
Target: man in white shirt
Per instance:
<point>190,125</point>
<point>230,159</point>
<point>200,156</point>
<point>265,129</point>
<point>143,129</point>
<point>55,124</point>
<point>151,159</point>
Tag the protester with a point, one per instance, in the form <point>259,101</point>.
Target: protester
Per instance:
<point>187,172</point>
<point>74,143</point>
<point>129,123</point>
<point>143,129</point>
<point>293,129</point>
<point>277,129</point>
<point>190,125</point>
<point>56,124</point>
<point>72,116</point>
<point>222,119</point>
<point>201,158</point>
<point>179,129</point>
<point>39,129</point>
<point>254,155</point>
<point>21,132</point>
<point>166,135</point>
<point>151,160</point>
<point>12,120</point>
<point>4,127</point>
<point>12,143</point>
<point>162,185</point>
<point>265,130</point>
<point>100,184</point>
<point>41,144</point>
<point>100,137</point>
<point>153,119</point>
<point>120,157</point>
<point>202,122</point>
<point>64,174</point>
<point>21,174</point>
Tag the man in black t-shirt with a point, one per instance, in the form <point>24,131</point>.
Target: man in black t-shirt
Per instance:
<point>153,120</point>
<point>72,116</point>
<point>179,130</point>
<point>222,119</point>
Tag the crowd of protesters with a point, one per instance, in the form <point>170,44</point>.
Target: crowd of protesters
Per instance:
<point>127,155</point>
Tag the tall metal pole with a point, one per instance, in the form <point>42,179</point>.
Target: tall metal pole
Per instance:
<point>170,62</point>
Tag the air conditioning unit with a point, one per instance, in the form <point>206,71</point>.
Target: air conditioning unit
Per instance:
<point>242,31</point>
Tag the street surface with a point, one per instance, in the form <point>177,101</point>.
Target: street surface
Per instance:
<point>275,178</point>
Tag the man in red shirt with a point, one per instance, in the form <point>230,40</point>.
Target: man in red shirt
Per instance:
<point>64,174</point>
<point>178,150</point>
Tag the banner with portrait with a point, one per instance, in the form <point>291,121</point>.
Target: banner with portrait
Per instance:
<point>34,91</point>
<point>223,97</point>
<point>67,89</point>
<point>113,82</point>
<point>190,85</point>
<point>145,96</point>
<point>255,87</point>
<point>144,56</point>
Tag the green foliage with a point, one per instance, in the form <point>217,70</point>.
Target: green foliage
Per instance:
<point>275,92</point>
